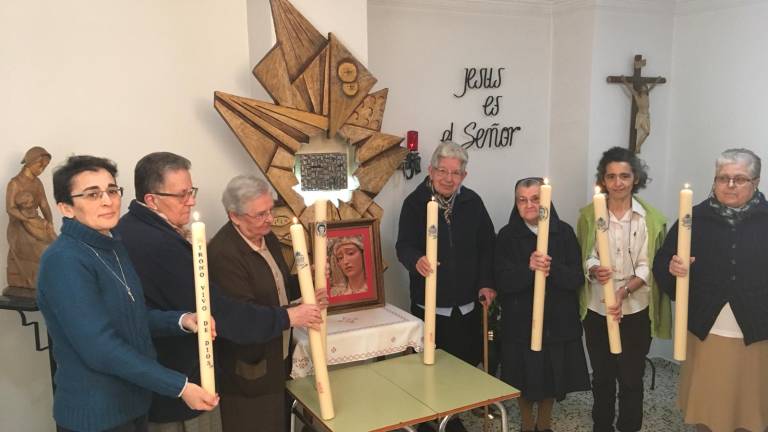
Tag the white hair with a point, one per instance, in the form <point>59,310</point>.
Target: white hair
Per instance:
<point>241,190</point>
<point>449,149</point>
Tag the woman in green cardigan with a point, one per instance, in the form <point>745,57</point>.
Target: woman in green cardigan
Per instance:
<point>635,231</point>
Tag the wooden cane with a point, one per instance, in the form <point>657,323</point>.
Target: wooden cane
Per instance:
<point>485,354</point>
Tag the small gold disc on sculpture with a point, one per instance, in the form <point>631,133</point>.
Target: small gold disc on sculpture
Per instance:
<point>350,89</point>
<point>347,72</point>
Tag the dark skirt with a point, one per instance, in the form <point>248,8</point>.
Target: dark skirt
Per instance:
<point>558,369</point>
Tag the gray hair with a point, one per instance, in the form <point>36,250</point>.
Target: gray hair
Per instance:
<point>241,190</point>
<point>740,156</point>
<point>449,149</point>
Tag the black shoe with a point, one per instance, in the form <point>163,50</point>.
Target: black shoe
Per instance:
<point>455,425</point>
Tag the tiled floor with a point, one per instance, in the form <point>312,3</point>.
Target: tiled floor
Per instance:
<point>574,413</point>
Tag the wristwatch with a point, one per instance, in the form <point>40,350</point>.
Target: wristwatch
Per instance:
<point>626,288</point>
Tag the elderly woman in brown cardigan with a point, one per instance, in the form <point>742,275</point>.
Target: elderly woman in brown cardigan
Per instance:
<point>246,263</point>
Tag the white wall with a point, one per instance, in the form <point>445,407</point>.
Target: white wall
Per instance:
<point>117,79</point>
<point>420,52</point>
<point>719,92</point>
<point>573,36</point>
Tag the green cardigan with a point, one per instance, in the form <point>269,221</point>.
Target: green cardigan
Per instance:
<point>660,309</point>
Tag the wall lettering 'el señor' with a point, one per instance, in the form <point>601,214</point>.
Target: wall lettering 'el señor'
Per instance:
<point>494,135</point>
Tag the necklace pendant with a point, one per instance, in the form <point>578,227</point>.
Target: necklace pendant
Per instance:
<point>130,294</point>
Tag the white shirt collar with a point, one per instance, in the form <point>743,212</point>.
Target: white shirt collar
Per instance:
<point>637,207</point>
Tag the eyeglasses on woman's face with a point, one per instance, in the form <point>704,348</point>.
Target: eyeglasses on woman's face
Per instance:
<point>97,194</point>
<point>739,180</point>
<point>443,173</point>
<point>260,216</point>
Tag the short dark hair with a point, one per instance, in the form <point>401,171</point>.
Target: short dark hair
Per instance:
<point>150,171</point>
<point>620,154</point>
<point>74,165</point>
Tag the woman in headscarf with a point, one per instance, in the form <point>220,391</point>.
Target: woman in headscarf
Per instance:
<point>560,367</point>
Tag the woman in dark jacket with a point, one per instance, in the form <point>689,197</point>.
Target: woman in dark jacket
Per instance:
<point>724,379</point>
<point>560,367</point>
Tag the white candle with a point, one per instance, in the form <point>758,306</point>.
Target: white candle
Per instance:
<point>322,382</point>
<point>430,284</point>
<point>604,250</point>
<point>539,281</point>
<point>684,225</point>
<point>320,256</point>
<point>203,306</point>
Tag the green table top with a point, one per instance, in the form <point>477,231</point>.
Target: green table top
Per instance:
<point>401,391</point>
<point>362,400</point>
<point>448,386</point>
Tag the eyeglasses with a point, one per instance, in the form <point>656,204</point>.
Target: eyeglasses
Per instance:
<point>184,195</point>
<point>724,180</point>
<point>97,194</point>
<point>523,200</point>
<point>260,216</point>
<point>442,172</point>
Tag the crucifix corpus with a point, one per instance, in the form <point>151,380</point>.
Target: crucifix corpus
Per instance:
<point>638,87</point>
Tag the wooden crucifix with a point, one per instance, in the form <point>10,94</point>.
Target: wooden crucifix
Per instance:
<point>638,87</point>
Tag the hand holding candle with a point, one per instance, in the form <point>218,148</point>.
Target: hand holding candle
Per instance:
<point>203,305</point>
<point>322,382</point>
<point>430,284</point>
<point>603,249</point>
<point>684,225</point>
<point>539,281</point>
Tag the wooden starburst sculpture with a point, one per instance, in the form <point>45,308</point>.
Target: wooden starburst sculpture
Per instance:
<point>318,88</point>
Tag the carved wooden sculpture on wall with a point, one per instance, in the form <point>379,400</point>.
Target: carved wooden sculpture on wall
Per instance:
<point>30,224</point>
<point>318,87</point>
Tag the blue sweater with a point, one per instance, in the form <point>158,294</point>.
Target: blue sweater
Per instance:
<point>101,338</point>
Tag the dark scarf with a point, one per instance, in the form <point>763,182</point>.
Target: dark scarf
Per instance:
<point>734,216</point>
<point>444,203</point>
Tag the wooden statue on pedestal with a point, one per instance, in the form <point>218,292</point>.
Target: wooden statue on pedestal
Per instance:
<point>29,232</point>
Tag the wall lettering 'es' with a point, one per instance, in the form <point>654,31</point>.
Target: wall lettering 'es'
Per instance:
<point>494,135</point>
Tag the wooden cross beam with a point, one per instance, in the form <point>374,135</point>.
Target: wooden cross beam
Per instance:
<point>638,87</point>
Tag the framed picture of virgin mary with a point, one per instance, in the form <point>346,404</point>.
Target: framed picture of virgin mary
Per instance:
<point>355,267</point>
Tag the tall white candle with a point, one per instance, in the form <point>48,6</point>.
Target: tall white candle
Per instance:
<point>684,226</point>
<point>203,306</point>
<point>430,284</point>
<point>322,383</point>
<point>604,250</point>
<point>539,279</point>
<point>321,257</point>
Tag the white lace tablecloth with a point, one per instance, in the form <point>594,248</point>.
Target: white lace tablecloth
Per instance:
<point>361,335</point>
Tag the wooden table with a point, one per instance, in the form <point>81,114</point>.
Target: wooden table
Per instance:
<point>401,392</point>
